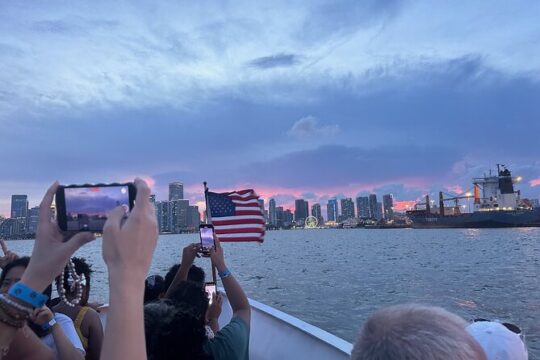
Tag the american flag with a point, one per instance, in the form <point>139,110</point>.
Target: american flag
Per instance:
<point>236,216</point>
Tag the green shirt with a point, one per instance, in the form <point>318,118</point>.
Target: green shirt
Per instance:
<point>231,342</point>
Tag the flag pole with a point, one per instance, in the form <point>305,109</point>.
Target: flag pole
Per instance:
<point>209,221</point>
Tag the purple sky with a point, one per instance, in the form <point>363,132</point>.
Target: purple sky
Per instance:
<point>314,99</point>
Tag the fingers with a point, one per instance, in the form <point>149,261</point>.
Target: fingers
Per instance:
<point>216,241</point>
<point>114,220</point>
<point>142,199</point>
<point>4,246</point>
<point>45,212</point>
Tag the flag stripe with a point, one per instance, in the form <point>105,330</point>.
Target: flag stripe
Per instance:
<point>239,226</point>
<point>245,202</point>
<point>242,235</point>
<point>238,231</point>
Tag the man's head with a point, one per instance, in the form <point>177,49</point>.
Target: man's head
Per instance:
<point>153,288</point>
<point>415,332</point>
<point>190,295</point>
<point>173,332</point>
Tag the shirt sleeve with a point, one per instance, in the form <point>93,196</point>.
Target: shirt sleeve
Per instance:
<point>231,342</point>
<point>68,328</point>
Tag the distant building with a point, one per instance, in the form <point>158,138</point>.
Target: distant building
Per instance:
<point>176,191</point>
<point>163,216</point>
<point>347,209</point>
<point>178,218</point>
<point>194,217</point>
<point>388,204</point>
<point>261,204</point>
<point>32,220</point>
<point>535,203</point>
<point>379,213</point>
<point>272,212</point>
<point>153,199</point>
<point>287,218</point>
<point>316,211</point>
<point>362,207</point>
<point>19,206</point>
<point>279,216</point>
<point>301,211</point>
<point>332,210</point>
<point>373,206</point>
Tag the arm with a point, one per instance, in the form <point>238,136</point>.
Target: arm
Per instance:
<point>67,350</point>
<point>95,336</point>
<point>127,251</point>
<point>49,256</point>
<point>214,311</point>
<point>27,346</point>
<point>188,256</point>
<point>237,298</point>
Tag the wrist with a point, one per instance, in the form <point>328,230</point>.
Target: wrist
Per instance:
<point>221,267</point>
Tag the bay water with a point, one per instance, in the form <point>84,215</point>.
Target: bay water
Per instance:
<point>334,279</point>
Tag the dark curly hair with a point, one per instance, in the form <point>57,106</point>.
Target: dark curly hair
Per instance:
<point>195,274</point>
<point>190,295</point>
<point>22,261</point>
<point>173,331</point>
<point>81,267</point>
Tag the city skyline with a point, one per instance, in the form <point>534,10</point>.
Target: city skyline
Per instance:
<point>336,99</point>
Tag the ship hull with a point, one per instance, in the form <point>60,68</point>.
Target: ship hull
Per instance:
<point>480,219</point>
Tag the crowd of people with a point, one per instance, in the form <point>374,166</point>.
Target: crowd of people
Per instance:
<point>171,317</point>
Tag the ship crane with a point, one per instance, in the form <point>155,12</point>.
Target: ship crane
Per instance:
<point>467,195</point>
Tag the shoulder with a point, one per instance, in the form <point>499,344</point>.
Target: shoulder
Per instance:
<point>63,319</point>
<point>231,342</point>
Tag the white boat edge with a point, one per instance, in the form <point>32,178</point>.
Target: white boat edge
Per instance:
<point>275,334</point>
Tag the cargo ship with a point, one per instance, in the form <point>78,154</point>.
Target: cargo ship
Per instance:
<point>496,205</point>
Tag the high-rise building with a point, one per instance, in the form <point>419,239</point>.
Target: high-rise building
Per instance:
<point>194,217</point>
<point>332,212</point>
<point>272,212</point>
<point>373,206</point>
<point>287,218</point>
<point>32,220</point>
<point>347,208</point>
<point>279,216</point>
<point>379,213</point>
<point>388,204</point>
<point>362,207</point>
<point>178,217</point>
<point>535,203</point>
<point>19,206</point>
<point>301,211</point>
<point>153,199</point>
<point>176,191</point>
<point>163,216</point>
<point>316,211</point>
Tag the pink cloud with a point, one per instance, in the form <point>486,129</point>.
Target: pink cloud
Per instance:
<point>534,182</point>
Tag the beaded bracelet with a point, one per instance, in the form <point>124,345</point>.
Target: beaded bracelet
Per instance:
<point>10,319</point>
<point>6,300</point>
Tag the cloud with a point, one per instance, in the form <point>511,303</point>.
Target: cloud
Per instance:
<point>273,61</point>
<point>308,127</point>
<point>534,182</point>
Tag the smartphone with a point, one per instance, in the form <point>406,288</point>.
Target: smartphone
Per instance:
<point>85,207</point>
<point>210,289</point>
<point>206,232</point>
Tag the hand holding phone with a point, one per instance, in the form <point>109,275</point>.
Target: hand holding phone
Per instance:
<point>206,232</point>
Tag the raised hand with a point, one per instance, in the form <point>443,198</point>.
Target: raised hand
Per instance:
<point>214,310</point>
<point>189,254</point>
<point>8,257</point>
<point>52,247</point>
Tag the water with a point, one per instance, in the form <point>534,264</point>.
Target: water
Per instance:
<point>334,279</point>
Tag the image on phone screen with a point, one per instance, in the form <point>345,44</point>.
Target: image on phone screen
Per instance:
<point>207,237</point>
<point>210,291</point>
<point>87,207</point>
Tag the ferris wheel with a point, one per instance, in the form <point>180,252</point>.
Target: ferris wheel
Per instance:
<point>311,222</point>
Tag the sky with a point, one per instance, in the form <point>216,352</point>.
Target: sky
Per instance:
<point>313,99</point>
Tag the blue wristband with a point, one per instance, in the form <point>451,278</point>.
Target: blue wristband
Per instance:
<point>31,297</point>
<point>224,274</point>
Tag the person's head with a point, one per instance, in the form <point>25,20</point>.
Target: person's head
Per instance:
<point>81,267</point>
<point>153,288</point>
<point>195,274</point>
<point>499,341</point>
<point>190,295</point>
<point>173,332</point>
<point>13,272</point>
<point>415,332</point>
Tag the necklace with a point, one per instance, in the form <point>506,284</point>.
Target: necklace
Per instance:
<point>75,282</point>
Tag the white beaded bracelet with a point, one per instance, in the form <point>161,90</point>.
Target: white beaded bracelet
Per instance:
<point>16,305</point>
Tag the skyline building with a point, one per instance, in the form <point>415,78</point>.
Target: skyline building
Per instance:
<point>32,220</point>
<point>178,215</point>
<point>194,217</point>
<point>162,211</point>
<point>362,207</point>
<point>373,206</point>
<point>317,213</point>
<point>301,211</point>
<point>379,213</point>
<point>347,209</point>
<point>332,212</point>
<point>19,206</point>
<point>388,204</point>
<point>272,212</point>
<point>176,191</point>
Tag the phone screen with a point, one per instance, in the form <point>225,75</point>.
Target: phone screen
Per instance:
<point>87,207</point>
<point>207,237</point>
<point>210,289</point>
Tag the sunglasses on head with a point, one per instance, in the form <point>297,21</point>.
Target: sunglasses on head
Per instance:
<point>512,327</point>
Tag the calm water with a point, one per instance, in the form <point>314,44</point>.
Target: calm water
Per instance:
<point>334,279</point>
